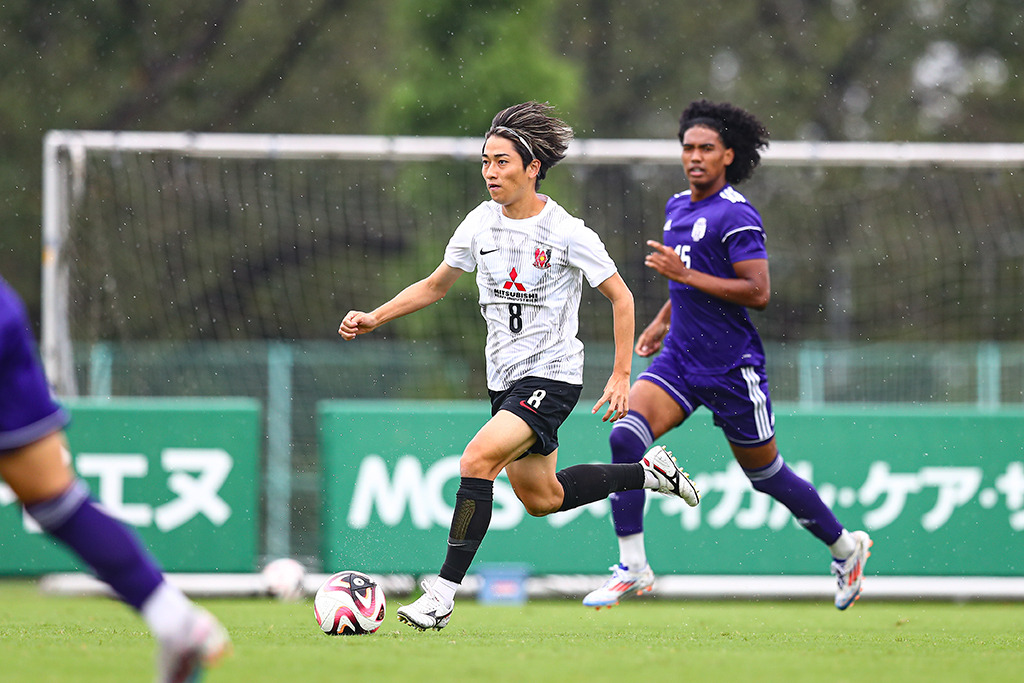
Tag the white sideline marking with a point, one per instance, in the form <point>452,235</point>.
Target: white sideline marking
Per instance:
<point>954,588</point>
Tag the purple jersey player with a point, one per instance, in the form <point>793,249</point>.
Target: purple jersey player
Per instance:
<point>713,256</point>
<point>33,462</point>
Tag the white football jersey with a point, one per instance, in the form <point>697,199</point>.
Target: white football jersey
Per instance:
<point>530,275</point>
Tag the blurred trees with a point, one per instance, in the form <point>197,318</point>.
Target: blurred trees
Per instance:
<point>945,70</point>
<point>465,60</point>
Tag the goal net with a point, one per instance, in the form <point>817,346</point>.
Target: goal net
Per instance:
<point>221,265</point>
<point>886,259</point>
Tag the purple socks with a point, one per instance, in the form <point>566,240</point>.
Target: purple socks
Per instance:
<point>104,543</point>
<point>800,496</point>
<point>630,438</point>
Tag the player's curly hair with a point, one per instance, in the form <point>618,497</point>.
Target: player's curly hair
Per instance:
<point>535,133</point>
<point>740,131</point>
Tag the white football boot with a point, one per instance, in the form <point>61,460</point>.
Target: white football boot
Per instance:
<point>428,611</point>
<point>849,573</point>
<point>674,482</point>
<point>203,645</point>
<point>622,584</point>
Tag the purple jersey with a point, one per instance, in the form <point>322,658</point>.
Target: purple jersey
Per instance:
<point>707,334</point>
<point>27,411</point>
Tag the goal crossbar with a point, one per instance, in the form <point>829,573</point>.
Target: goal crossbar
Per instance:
<point>414,148</point>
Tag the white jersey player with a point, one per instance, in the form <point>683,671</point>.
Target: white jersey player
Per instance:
<point>530,256</point>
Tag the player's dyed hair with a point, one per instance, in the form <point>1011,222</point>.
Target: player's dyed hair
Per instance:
<point>534,132</point>
<point>739,130</point>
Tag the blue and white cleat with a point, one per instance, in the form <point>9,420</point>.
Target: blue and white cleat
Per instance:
<point>622,584</point>
<point>849,573</point>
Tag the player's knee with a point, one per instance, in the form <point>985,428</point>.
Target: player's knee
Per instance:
<point>540,510</point>
<point>538,505</point>
<point>475,463</point>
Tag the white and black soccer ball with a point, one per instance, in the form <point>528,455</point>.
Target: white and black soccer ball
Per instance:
<point>284,579</point>
<point>349,603</point>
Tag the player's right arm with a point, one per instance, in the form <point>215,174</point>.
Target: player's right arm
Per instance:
<point>651,338</point>
<point>411,299</point>
<point>750,288</point>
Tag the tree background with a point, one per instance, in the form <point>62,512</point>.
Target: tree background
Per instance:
<point>892,70</point>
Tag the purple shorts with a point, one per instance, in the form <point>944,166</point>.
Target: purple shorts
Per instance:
<point>27,411</point>
<point>738,399</point>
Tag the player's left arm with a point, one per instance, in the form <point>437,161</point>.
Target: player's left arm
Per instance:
<point>616,390</point>
<point>755,285</point>
<point>751,287</point>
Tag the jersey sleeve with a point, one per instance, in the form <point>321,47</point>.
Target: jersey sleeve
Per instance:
<point>459,252</point>
<point>745,238</point>
<point>588,253</point>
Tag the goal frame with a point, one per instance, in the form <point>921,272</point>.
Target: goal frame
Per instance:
<point>64,154</point>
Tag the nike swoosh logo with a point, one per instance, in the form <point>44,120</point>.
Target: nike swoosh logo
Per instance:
<point>489,251</point>
<point>523,404</point>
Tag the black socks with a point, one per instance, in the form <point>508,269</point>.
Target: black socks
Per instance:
<point>474,502</point>
<point>473,505</point>
<point>584,484</point>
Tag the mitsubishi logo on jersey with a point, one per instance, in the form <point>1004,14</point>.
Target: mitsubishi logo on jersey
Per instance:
<point>512,290</point>
<point>512,282</point>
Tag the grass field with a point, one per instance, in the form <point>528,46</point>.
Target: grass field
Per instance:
<point>60,639</point>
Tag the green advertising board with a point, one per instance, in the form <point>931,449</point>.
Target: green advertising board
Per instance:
<point>182,473</point>
<point>941,491</point>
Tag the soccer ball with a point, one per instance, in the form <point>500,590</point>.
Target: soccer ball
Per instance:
<point>284,579</point>
<point>349,603</point>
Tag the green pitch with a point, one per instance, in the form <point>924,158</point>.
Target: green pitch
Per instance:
<point>58,639</point>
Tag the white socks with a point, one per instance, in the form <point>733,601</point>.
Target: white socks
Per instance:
<point>445,590</point>
<point>650,481</point>
<point>844,546</point>
<point>632,554</point>
<point>168,613</point>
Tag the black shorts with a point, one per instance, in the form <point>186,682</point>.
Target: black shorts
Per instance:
<point>544,404</point>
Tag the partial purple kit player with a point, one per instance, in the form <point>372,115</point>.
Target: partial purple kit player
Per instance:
<point>34,463</point>
<point>27,414</point>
